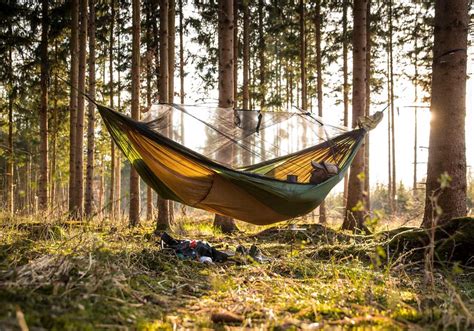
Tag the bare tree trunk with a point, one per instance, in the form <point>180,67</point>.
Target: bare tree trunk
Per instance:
<point>112,196</point>
<point>345,88</point>
<point>43,175</point>
<point>148,57</point>
<point>163,221</point>
<point>118,158</point>
<point>181,56</point>
<point>322,206</point>
<point>354,217</point>
<point>88,208</point>
<point>389,140</point>
<point>448,109</point>
<point>246,56</point>
<point>134,211</point>
<point>171,66</point>
<point>415,143</point>
<point>74,48</point>
<point>226,83</point>
<point>304,101</point>
<point>11,151</point>
<point>392,110</point>
<point>79,172</point>
<point>54,135</point>
<point>367,112</point>
<point>235,45</point>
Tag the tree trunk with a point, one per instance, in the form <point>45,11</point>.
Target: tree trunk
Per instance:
<point>43,118</point>
<point>181,57</point>
<point>354,216</point>
<point>345,89</point>
<point>79,172</point>
<point>74,48</point>
<point>304,101</point>
<point>226,83</point>
<point>113,162</point>
<point>246,56</point>
<point>392,110</point>
<point>134,211</point>
<point>11,152</point>
<point>163,221</point>
<point>171,66</point>
<point>118,157</point>
<point>88,208</point>
<point>367,112</point>
<point>149,66</point>
<point>54,136</point>
<point>448,110</point>
<point>319,83</point>
<point>235,44</point>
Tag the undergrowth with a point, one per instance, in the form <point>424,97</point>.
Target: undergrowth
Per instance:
<point>96,275</point>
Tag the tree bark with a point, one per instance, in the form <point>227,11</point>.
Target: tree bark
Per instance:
<point>134,211</point>
<point>74,49</point>
<point>392,110</point>
<point>319,83</point>
<point>246,56</point>
<point>163,221</point>
<point>354,216</point>
<point>79,171</point>
<point>11,152</point>
<point>88,207</point>
<point>181,54</point>
<point>149,74</point>
<point>43,118</point>
<point>226,84</point>
<point>447,152</point>
<point>345,89</point>
<point>113,162</point>
<point>367,111</point>
<point>171,48</point>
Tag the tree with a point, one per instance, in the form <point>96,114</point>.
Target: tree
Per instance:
<point>345,77</point>
<point>226,82</point>
<point>134,211</point>
<point>448,110</point>
<point>90,115</point>
<point>79,139</point>
<point>354,215</point>
<point>43,175</point>
<point>74,48</point>
<point>113,161</point>
<point>163,221</point>
<point>319,83</point>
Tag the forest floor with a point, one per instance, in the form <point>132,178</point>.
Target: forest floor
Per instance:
<point>106,276</point>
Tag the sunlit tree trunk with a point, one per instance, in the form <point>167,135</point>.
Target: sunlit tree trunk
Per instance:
<point>354,216</point>
<point>181,57</point>
<point>367,112</point>
<point>171,66</point>
<point>345,77</point>
<point>112,196</point>
<point>246,56</point>
<point>226,83</point>
<point>79,172</point>
<point>74,49</point>
<point>149,67</point>
<point>163,221</point>
<point>88,207</point>
<point>319,83</point>
<point>235,54</point>
<point>43,118</point>
<point>134,210</point>
<point>447,151</point>
<point>392,109</point>
<point>54,135</point>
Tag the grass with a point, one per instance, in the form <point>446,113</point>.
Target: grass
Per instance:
<point>68,276</point>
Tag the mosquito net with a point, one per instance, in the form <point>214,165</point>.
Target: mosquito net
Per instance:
<point>239,138</point>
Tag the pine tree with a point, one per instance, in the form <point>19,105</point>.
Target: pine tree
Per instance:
<point>134,210</point>
<point>448,109</point>
<point>354,215</point>
<point>90,116</point>
<point>43,175</point>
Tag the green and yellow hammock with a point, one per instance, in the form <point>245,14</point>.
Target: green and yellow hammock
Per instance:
<point>257,194</point>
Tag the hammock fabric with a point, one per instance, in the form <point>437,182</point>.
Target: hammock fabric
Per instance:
<point>257,194</point>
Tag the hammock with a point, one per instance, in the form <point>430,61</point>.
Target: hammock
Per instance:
<point>255,193</point>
